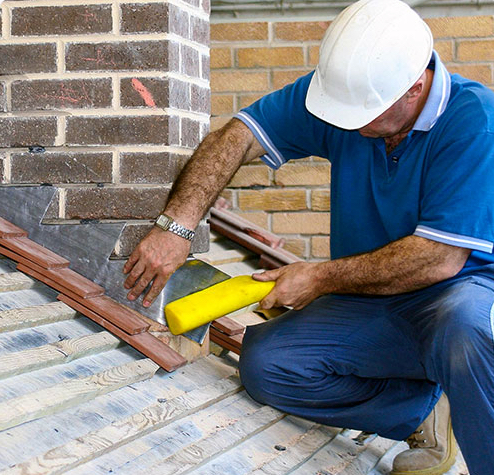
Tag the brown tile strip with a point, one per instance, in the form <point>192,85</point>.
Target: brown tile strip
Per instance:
<point>34,252</point>
<point>67,279</point>
<point>230,342</point>
<point>122,317</point>
<point>228,326</point>
<point>10,230</point>
<point>144,342</point>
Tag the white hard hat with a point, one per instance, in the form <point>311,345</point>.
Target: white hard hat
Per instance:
<point>371,54</point>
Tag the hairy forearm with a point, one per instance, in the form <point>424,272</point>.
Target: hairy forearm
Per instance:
<point>405,265</point>
<point>208,171</point>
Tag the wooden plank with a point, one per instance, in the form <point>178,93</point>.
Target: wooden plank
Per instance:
<point>225,256</point>
<point>36,315</point>
<point>295,455</point>
<point>228,325</point>
<point>15,281</point>
<point>9,230</point>
<point>50,400</point>
<point>94,444</point>
<point>67,278</point>
<point>123,317</point>
<point>202,451</point>
<point>55,353</point>
<point>224,341</point>
<point>34,252</point>
<point>248,318</point>
<point>146,343</point>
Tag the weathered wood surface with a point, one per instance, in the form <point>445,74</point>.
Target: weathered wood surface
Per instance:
<point>47,401</point>
<point>55,353</point>
<point>82,449</point>
<point>16,319</point>
<point>15,281</point>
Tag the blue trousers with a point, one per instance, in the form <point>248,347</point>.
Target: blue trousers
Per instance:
<point>379,364</point>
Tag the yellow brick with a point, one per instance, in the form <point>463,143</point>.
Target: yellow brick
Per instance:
<point>272,200</point>
<point>258,218</point>
<point>445,50</point>
<point>282,78</point>
<point>247,99</point>
<point>239,31</point>
<point>320,200</point>
<point>301,223</point>
<point>221,58</point>
<point>296,246</point>
<point>218,122</point>
<point>305,174</point>
<point>320,246</point>
<point>269,57</point>
<point>221,104</point>
<point>475,50</point>
<point>250,176</point>
<point>480,73</point>
<point>228,195</point>
<point>313,55</point>
<point>235,81</point>
<point>461,27</point>
<point>300,30</point>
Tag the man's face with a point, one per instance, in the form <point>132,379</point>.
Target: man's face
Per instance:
<point>391,122</point>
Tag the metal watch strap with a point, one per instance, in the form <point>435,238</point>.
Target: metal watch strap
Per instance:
<point>167,223</point>
<point>181,231</point>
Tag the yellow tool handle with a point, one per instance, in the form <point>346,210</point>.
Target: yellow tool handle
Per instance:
<point>216,301</point>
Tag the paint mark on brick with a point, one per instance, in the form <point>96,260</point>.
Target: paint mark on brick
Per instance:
<point>143,92</point>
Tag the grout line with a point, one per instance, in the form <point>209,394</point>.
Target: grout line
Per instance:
<point>116,167</point>
<point>5,22</point>
<point>61,202</point>
<point>116,17</point>
<point>60,58</point>
<point>7,168</point>
<point>61,127</point>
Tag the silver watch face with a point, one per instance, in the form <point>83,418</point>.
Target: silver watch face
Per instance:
<point>164,221</point>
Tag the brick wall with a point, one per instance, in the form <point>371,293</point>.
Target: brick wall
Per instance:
<point>116,94</point>
<point>249,60</point>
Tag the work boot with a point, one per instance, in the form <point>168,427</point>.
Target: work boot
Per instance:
<point>432,446</point>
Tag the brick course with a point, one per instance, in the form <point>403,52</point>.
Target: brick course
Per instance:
<point>117,95</point>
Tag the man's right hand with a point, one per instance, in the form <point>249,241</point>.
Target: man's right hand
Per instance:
<point>155,259</point>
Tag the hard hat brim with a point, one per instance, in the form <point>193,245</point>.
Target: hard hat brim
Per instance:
<point>329,109</point>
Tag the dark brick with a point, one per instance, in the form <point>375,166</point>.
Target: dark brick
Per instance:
<point>3,97</point>
<point>136,92</point>
<point>206,6</point>
<point>2,168</point>
<point>152,167</point>
<point>179,22</point>
<point>132,234</point>
<point>174,130</point>
<point>144,18</point>
<point>191,133</point>
<point>26,131</point>
<point>53,211</point>
<point>118,130</point>
<point>61,94</point>
<point>60,167</point>
<point>61,20</point>
<point>194,3</point>
<point>199,30</point>
<point>204,131</point>
<point>121,56</point>
<point>23,59</point>
<point>115,203</point>
<point>200,99</point>
<point>190,61</point>
<point>154,18</point>
<point>205,67</point>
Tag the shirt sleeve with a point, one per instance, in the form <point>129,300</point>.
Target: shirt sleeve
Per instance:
<point>457,199</point>
<point>284,127</point>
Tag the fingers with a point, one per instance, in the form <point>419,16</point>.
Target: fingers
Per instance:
<point>267,275</point>
<point>269,301</point>
<point>133,258</point>
<point>154,291</point>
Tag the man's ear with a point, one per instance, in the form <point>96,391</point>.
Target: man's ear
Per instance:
<point>415,91</point>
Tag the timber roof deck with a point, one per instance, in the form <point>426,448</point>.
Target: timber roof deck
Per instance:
<point>75,399</point>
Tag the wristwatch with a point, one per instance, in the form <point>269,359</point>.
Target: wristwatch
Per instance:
<point>166,223</point>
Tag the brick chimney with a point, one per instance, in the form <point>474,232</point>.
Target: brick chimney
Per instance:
<point>106,102</point>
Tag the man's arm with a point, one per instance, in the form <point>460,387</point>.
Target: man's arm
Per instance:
<point>411,263</point>
<point>203,178</point>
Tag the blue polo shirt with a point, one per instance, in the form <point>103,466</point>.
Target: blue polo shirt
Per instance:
<point>438,183</point>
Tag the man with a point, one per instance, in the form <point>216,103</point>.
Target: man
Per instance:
<point>405,308</point>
